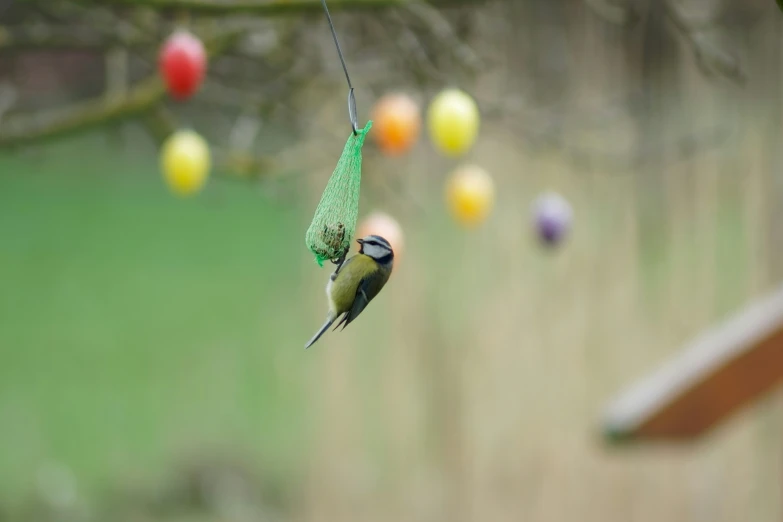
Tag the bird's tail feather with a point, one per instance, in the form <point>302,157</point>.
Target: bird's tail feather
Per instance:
<point>320,332</point>
<point>343,322</point>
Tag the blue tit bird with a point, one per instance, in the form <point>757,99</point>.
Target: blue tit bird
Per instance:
<point>356,281</point>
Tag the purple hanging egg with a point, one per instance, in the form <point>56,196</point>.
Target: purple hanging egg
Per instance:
<point>552,216</point>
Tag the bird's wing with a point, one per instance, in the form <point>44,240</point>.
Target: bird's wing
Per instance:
<point>367,290</point>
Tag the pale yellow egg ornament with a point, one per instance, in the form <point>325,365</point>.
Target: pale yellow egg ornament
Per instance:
<point>185,162</point>
<point>453,122</point>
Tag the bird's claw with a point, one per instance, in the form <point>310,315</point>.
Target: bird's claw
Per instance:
<point>339,262</point>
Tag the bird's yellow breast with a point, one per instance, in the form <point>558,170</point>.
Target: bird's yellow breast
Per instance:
<point>342,290</point>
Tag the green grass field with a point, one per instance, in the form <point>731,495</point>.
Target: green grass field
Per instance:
<point>135,326</point>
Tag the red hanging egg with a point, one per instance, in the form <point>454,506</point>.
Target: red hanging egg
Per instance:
<point>182,62</point>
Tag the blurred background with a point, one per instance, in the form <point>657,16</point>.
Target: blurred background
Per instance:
<point>151,361</point>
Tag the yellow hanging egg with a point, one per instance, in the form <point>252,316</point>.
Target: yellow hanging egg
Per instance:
<point>453,122</point>
<point>185,161</point>
<point>470,195</point>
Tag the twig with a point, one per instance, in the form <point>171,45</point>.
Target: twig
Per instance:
<point>618,12</point>
<point>269,8</point>
<point>412,50</point>
<point>38,126</point>
<point>710,58</point>
<point>239,164</point>
<point>51,37</point>
<point>543,129</point>
<point>161,123</point>
<point>443,32</point>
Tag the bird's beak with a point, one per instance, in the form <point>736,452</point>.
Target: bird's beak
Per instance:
<point>360,241</point>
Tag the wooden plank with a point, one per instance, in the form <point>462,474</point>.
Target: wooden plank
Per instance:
<point>721,371</point>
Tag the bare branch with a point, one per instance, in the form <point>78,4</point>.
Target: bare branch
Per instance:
<point>412,50</point>
<point>26,128</point>
<point>232,163</point>
<point>20,129</point>
<point>544,129</point>
<point>160,122</point>
<point>228,163</point>
<point>64,38</point>
<point>269,8</point>
<point>618,12</point>
<point>443,32</point>
<point>710,58</point>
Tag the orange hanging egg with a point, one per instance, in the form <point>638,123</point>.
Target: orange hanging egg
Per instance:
<point>396,123</point>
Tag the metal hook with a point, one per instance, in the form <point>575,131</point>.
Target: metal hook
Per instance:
<point>352,112</point>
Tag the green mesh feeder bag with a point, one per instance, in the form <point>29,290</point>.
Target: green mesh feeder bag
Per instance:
<point>334,223</point>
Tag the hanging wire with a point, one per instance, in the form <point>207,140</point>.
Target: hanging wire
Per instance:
<point>351,98</point>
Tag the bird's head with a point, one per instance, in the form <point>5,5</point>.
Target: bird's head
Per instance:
<point>377,248</point>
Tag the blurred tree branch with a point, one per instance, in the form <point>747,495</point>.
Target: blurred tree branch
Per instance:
<point>711,59</point>
<point>267,8</point>
<point>126,31</point>
<point>443,31</point>
<point>18,129</point>
<point>545,129</point>
<point>262,64</point>
<point>47,36</point>
<point>161,123</point>
<point>617,12</point>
